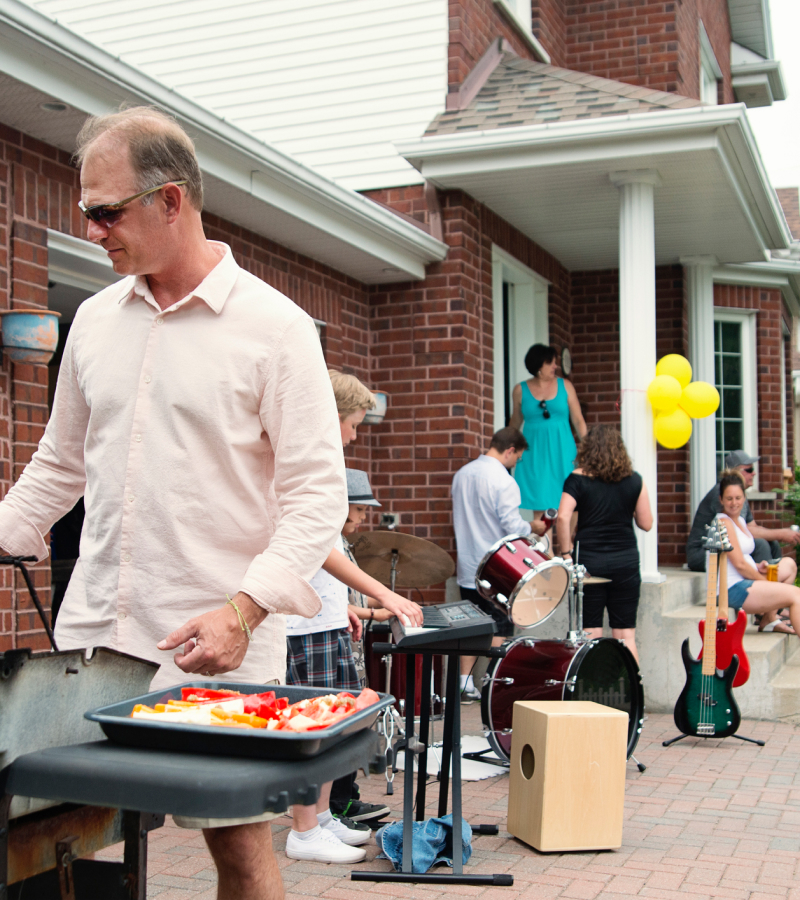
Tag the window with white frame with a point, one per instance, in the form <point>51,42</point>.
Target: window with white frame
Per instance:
<point>520,9</point>
<point>735,379</point>
<point>710,72</point>
<point>520,320</point>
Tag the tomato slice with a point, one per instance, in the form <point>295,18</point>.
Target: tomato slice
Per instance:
<point>366,698</point>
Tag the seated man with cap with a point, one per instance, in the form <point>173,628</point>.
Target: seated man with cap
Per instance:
<point>767,539</point>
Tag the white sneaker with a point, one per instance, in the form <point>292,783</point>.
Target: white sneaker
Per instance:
<point>354,837</point>
<point>323,847</point>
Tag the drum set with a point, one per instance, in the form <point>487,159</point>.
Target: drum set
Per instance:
<point>519,576</point>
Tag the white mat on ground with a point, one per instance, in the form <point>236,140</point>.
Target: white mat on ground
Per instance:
<point>470,769</point>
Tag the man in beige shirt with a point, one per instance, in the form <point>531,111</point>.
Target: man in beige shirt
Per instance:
<point>195,415</point>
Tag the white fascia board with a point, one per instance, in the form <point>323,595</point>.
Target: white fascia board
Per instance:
<point>771,68</point>
<point>725,129</point>
<point>78,263</point>
<point>41,52</point>
<point>781,274</point>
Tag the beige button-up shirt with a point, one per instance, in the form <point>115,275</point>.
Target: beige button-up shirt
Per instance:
<point>206,443</point>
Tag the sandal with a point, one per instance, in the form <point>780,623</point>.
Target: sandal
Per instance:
<point>779,626</point>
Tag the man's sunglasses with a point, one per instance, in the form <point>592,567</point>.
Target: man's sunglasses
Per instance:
<point>749,470</point>
<point>544,409</point>
<point>108,213</point>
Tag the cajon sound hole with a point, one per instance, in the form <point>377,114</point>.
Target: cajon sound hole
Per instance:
<point>527,761</point>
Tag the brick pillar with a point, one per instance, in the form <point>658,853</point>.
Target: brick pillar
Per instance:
<point>28,412</point>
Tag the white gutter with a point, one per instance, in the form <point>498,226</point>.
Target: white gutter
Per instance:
<point>41,52</point>
<point>781,274</point>
<point>725,128</point>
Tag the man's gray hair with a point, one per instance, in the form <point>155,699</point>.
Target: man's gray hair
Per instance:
<point>160,150</point>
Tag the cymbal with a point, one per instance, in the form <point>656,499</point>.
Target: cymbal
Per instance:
<point>420,563</point>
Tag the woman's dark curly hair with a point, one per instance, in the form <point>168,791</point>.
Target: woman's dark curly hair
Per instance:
<point>537,356</point>
<point>602,455</point>
<point>728,477</point>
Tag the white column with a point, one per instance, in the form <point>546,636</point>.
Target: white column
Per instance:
<point>703,445</point>
<point>637,339</point>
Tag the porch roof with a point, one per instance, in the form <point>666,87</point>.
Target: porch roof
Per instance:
<point>552,179</point>
<point>519,92</point>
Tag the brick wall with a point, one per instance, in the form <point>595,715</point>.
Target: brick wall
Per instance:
<point>38,190</point>
<point>549,25</point>
<point>595,318</point>
<point>790,203</point>
<point>771,311</point>
<point>653,43</point>
<point>432,351</point>
<point>474,24</point>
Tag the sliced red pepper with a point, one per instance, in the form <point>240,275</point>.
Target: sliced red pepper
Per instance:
<point>203,694</point>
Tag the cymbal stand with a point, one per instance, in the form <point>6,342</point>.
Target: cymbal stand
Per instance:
<point>392,719</point>
<point>575,600</point>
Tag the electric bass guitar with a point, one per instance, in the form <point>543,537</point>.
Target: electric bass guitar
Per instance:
<point>706,707</point>
<point>729,634</point>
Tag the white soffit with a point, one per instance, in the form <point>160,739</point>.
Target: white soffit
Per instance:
<point>552,183</point>
<point>247,182</point>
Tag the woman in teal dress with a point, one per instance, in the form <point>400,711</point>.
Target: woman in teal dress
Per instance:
<point>544,407</point>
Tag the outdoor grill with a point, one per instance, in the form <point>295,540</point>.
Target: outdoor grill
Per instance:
<point>67,792</point>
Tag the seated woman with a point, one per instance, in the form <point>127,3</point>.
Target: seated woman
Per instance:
<point>748,588</point>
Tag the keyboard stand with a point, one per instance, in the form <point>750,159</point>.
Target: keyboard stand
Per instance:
<point>451,749</point>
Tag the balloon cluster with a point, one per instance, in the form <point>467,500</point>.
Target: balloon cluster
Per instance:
<point>676,400</point>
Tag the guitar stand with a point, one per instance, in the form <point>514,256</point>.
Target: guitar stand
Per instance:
<point>711,737</point>
<point>451,749</point>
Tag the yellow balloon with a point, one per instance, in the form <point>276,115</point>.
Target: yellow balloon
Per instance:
<point>673,429</point>
<point>664,393</point>
<point>676,365</point>
<point>699,399</point>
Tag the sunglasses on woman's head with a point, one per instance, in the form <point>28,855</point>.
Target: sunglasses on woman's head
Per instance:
<point>108,214</point>
<point>544,409</point>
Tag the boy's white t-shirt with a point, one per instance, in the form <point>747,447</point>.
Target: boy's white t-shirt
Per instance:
<point>333,615</point>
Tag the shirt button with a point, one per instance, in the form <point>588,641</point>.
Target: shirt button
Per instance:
<point>137,437</point>
<point>121,616</point>
<point>147,379</point>
<point>131,498</point>
<point>127,557</point>
<point>159,321</point>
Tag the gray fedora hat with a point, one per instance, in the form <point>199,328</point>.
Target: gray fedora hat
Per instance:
<point>358,489</point>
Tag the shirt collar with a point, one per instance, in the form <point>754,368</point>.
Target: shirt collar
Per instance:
<point>213,290</point>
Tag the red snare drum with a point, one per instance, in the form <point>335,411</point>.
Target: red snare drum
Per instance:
<point>602,670</point>
<point>522,581</point>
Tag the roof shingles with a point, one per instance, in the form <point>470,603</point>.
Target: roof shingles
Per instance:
<point>521,93</point>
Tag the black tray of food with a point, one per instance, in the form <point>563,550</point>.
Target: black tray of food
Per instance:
<point>221,741</point>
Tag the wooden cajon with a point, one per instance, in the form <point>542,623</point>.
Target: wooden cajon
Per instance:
<point>567,785</point>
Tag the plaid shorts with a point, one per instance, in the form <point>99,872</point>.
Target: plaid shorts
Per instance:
<point>324,660</point>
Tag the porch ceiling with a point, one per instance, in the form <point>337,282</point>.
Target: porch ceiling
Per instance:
<point>552,182</point>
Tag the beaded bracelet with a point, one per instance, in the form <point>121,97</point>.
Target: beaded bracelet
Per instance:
<point>242,621</point>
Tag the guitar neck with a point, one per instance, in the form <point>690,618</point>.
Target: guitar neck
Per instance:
<point>723,586</point>
<point>710,634</point>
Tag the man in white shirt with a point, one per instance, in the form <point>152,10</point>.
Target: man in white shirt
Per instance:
<point>195,415</point>
<point>486,501</point>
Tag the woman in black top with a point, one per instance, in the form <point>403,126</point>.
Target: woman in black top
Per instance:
<point>608,497</point>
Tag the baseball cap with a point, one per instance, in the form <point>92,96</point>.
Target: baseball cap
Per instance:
<point>739,458</point>
<point>358,489</point>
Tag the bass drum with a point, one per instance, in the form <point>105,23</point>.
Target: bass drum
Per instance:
<point>601,670</point>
